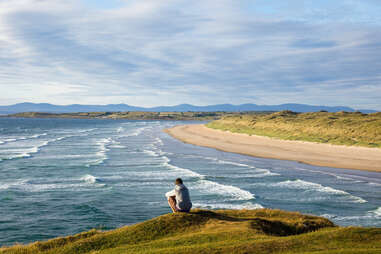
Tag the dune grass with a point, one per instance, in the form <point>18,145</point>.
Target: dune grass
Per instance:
<point>341,128</point>
<point>224,231</point>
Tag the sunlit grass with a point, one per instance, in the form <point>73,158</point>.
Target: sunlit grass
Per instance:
<point>201,231</point>
<point>342,128</point>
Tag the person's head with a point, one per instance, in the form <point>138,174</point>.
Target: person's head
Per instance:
<point>178,181</point>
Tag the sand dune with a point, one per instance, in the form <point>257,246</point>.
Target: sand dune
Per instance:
<point>349,157</point>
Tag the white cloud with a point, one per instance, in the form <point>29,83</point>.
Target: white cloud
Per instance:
<point>174,51</point>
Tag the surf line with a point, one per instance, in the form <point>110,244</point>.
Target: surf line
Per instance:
<point>232,192</point>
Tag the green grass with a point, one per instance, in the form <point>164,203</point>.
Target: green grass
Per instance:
<point>224,231</point>
<point>342,128</point>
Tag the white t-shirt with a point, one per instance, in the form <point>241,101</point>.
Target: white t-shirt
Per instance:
<point>181,192</point>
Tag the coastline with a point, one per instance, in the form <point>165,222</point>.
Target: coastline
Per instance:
<point>326,155</point>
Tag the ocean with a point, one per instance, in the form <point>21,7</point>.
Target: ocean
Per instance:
<point>63,176</point>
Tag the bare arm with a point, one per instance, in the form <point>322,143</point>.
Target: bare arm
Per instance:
<point>170,193</point>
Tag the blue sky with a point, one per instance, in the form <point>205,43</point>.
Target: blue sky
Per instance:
<point>167,52</point>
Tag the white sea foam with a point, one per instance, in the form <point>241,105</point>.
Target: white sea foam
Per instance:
<point>19,156</point>
<point>120,129</point>
<point>135,133</point>
<point>151,153</point>
<point>206,186</point>
<point>232,192</point>
<point>254,172</point>
<point>309,186</point>
<point>377,212</point>
<point>235,164</point>
<point>158,141</point>
<point>153,148</point>
<point>27,152</point>
<point>15,139</point>
<point>61,138</point>
<point>71,156</point>
<point>55,186</point>
<point>219,161</point>
<point>102,151</point>
<point>16,184</point>
<point>255,175</point>
<point>27,137</point>
<point>89,179</point>
<point>184,171</point>
<point>39,135</point>
<point>247,205</point>
<point>150,175</point>
<point>331,174</point>
<point>38,185</point>
<point>328,216</point>
<point>4,186</point>
<point>117,146</point>
<point>45,187</point>
<point>87,130</point>
<point>369,216</point>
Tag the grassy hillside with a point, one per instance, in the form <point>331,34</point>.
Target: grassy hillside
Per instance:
<point>340,128</point>
<point>228,231</point>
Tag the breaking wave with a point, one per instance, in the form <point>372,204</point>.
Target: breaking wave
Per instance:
<point>151,153</point>
<point>210,187</point>
<point>28,152</point>
<point>229,191</point>
<point>135,133</point>
<point>309,186</point>
<point>11,140</point>
<point>184,171</point>
<point>331,174</point>
<point>367,218</point>
<point>253,173</point>
<point>247,205</point>
<point>90,179</point>
<point>39,186</point>
<point>377,212</point>
<point>102,151</point>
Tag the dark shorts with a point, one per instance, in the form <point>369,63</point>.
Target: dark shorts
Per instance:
<point>183,210</point>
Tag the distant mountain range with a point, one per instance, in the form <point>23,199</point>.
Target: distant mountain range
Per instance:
<point>50,108</point>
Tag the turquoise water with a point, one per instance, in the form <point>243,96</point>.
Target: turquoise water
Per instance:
<point>64,176</point>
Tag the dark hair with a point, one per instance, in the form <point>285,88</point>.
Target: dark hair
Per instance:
<point>179,181</point>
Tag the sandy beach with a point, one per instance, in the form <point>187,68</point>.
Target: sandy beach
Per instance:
<point>360,158</point>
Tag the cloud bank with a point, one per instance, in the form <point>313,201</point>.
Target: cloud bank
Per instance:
<point>167,52</point>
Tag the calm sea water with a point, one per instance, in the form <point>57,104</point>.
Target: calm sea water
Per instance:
<point>64,176</point>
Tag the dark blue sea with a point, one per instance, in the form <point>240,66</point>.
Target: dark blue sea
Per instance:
<point>64,176</point>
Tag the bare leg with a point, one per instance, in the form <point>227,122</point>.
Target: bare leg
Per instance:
<point>172,203</point>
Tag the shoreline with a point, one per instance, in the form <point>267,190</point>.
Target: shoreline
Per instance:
<point>325,155</point>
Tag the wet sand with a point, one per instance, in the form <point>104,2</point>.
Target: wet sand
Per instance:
<point>336,156</point>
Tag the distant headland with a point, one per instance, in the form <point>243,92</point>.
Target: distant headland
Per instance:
<point>75,108</point>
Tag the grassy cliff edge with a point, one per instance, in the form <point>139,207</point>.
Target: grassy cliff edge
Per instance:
<point>222,231</point>
<point>341,128</point>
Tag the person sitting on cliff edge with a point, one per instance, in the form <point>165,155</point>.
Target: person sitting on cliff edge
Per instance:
<point>179,199</point>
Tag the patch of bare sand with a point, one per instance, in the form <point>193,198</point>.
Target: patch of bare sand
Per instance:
<point>349,157</point>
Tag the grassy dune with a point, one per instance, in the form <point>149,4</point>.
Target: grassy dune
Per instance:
<point>340,128</point>
<point>228,231</point>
